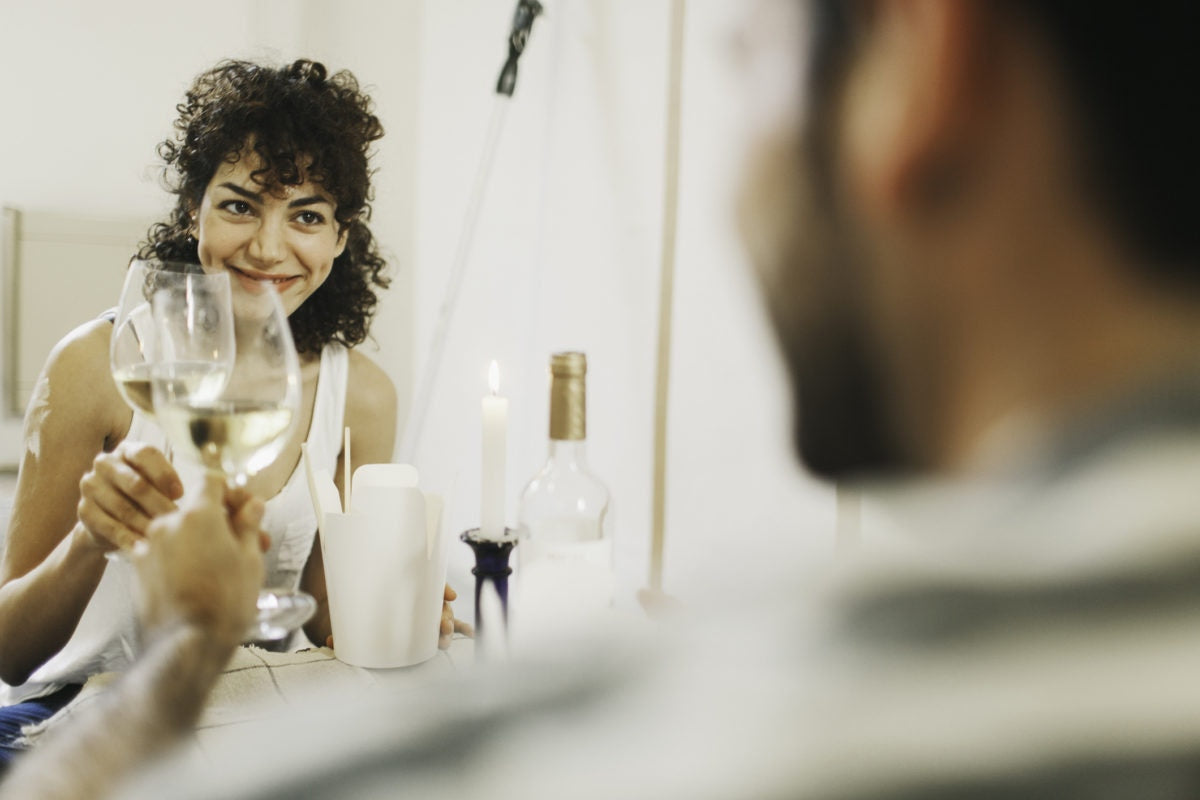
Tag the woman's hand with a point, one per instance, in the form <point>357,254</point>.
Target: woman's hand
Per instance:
<point>450,625</point>
<point>124,491</point>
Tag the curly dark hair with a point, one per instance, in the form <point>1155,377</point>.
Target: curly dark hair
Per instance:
<point>304,125</point>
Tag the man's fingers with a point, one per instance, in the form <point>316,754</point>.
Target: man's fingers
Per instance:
<point>450,594</point>
<point>465,628</point>
<point>248,517</point>
<point>236,499</point>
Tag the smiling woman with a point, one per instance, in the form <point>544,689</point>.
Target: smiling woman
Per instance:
<point>254,134</point>
<point>270,170</point>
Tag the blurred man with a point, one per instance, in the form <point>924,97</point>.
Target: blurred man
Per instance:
<point>978,247</point>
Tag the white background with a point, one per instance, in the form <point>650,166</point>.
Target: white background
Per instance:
<point>568,248</point>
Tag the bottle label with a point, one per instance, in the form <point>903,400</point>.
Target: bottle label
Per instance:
<point>562,584</point>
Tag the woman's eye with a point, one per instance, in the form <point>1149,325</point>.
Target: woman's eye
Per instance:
<point>237,207</point>
<point>310,218</point>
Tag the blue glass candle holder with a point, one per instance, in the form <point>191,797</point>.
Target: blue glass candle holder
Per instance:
<point>491,564</point>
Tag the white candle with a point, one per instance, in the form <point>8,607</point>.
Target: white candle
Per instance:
<point>495,434</point>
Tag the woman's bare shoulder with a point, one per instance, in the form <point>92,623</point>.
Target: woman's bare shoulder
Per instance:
<point>370,409</point>
<point>87,343</point>
<point>76,375</point>
<point>369,389</point>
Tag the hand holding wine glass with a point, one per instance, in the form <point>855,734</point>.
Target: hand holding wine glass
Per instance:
<point>203,563</point>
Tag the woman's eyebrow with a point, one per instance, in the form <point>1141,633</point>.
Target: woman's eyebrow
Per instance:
<point>308,201</point>
<point>258,198</point>
<point>249,195</point>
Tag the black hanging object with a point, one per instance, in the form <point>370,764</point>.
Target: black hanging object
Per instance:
<point>523,17</point>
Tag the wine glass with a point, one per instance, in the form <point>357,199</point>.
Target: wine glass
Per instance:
<point>240,424</point>
<point>133,347</point>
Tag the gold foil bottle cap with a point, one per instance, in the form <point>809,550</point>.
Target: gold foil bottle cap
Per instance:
<point>568,396</point>
<point>568,365</point>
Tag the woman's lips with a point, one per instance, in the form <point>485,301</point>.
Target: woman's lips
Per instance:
<point>253,281</point>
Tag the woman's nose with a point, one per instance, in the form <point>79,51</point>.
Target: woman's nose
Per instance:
<point>268,246</point>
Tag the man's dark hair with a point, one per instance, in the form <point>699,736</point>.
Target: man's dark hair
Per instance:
<point>302,124</point>
<point>1131,72</point>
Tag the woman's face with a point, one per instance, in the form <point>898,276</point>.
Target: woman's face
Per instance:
<point>289,237</point>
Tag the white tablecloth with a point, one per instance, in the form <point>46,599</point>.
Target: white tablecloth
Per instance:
<point>259,683</point>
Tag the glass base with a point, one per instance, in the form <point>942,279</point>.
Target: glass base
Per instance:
<point>280,611</point>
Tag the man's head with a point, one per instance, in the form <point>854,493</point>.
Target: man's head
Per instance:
<point>983,212</point>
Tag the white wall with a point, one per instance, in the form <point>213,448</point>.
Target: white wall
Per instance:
<point>90,90</point>
<point>567,256</point>
<point>736,494</point>
<point>568,247</point>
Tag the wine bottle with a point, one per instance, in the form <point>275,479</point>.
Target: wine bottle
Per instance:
<point>565,555</point>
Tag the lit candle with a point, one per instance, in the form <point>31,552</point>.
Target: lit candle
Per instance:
<point>495,433</point>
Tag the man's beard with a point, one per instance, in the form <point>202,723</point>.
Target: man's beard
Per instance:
<point>814,286</point>
<point>841,427</point>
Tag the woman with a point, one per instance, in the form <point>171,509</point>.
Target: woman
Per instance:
<point>270,172</point>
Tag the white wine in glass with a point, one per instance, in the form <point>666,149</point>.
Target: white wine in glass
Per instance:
<point>240,424</point>
<point>132,349</point>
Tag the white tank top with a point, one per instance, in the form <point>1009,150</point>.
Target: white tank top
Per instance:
<point>105,637</point>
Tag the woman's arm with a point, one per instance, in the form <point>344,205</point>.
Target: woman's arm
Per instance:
<point>371,417</point>
<point>52,562</point>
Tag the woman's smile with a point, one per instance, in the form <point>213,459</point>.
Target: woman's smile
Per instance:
<point>253,280</point>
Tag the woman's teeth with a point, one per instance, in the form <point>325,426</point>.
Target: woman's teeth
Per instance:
<point>265,278</point>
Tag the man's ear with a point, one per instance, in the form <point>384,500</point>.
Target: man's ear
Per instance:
<point>912,98</point>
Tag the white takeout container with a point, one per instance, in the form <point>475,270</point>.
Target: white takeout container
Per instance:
<point>385,568</point>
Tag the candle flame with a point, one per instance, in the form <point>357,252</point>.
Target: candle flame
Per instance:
<point>494,377</point>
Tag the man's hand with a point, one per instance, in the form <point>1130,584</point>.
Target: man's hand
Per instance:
<point>202,565</point>
<point>198,574</point>
<point>450,625</point>
<point>124,491</point>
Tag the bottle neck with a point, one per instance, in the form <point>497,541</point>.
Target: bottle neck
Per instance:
<point>568,408</point>
<point>568,452</point>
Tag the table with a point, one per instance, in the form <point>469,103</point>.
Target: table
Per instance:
<point>259,683</point>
